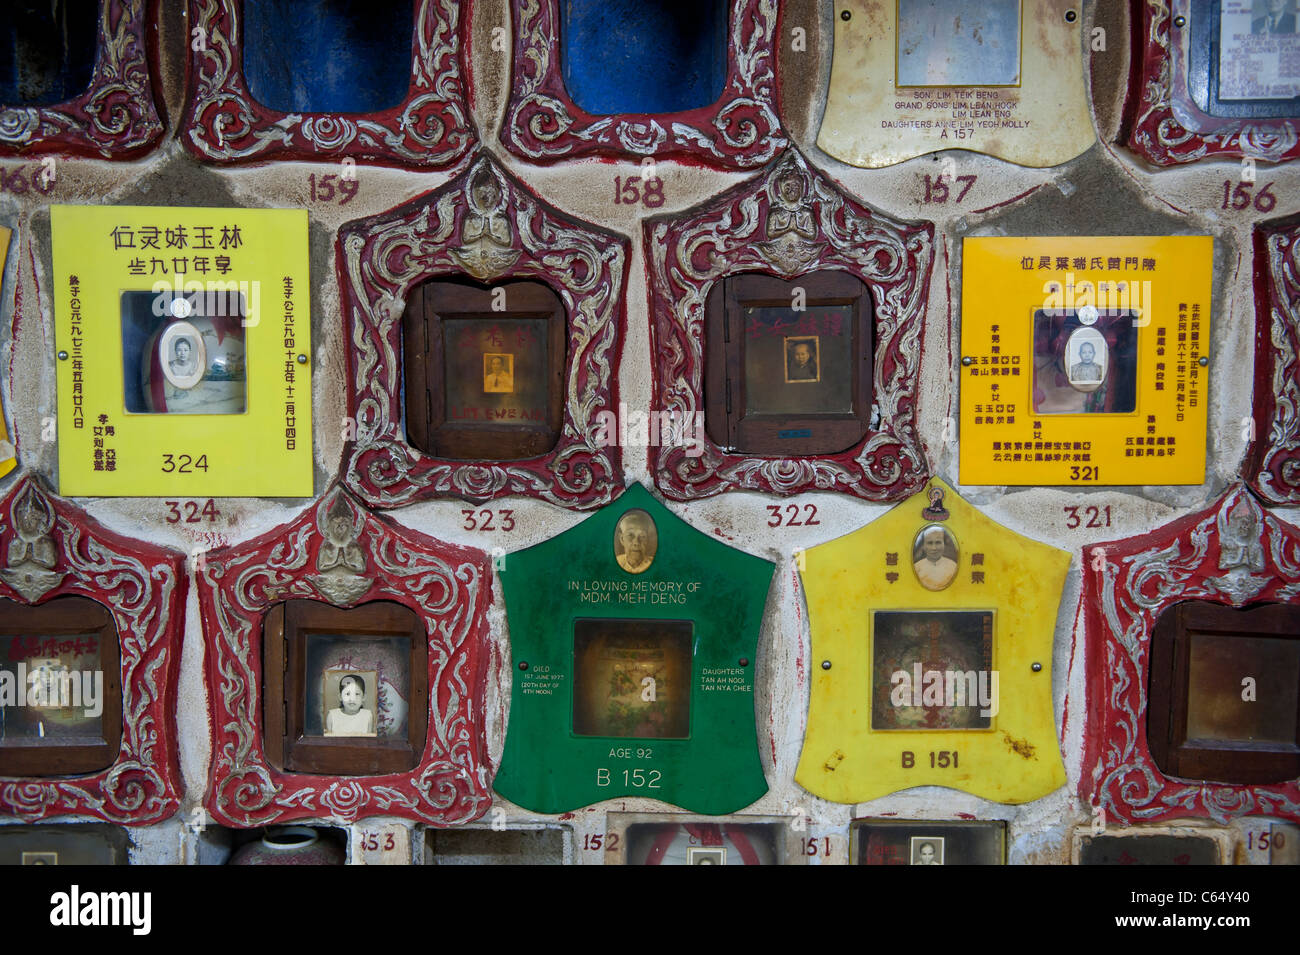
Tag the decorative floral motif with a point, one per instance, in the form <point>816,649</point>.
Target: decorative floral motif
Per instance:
<point>115,117</point>
<point>1273,462</point>
<point>1232,553</point>
<point>484,223</point>
<point>449,588</point>
<point>1161,134</point>
<point>790,221</point>
<point>430,128</point>
<point>143,587</point>
<point>741,130</point>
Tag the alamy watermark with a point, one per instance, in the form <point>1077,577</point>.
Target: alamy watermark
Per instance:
<point>651,429</point>
<point>946,688</point>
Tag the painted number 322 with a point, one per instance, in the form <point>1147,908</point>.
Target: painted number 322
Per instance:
<point>790,517</point>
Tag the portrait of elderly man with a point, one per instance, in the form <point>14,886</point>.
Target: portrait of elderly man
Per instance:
<point>635,541</point>
<point>934,568</point>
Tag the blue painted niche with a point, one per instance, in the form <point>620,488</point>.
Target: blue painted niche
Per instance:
<point>47,50</point>
<point>634,56</point>
<point>328,56</point>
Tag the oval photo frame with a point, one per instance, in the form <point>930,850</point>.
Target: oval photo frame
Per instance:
<point>636,541</point>
<point>935,556</point>
<point>1087,359</point>
<point>182,366</point>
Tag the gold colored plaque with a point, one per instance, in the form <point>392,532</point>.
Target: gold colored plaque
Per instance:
<point>1085,359</point>
<point>911,77</point>
<point>931,669</point>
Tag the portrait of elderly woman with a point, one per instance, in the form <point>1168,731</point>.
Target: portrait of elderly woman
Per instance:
<point>635,541</point>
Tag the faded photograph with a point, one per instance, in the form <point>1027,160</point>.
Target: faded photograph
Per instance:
<point>1085,358</point>
<point>498,372</point>
<point>632,678</point>
<point>802,359</point>
<point>958,43</point>
<point>636,541</point>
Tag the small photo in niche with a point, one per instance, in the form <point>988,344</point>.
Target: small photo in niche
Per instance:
<point>183,354</point>
<point>357,686</point>
<point>951,651</point>
<point>802,359</point>
<point>63,700</point>
<point>706,855</point>
<point>632,678</point>
<point>927,850</point>
<point>350,703</point>
<point>498,372</point>
<point>1085,361</point>
<point>40,858</point>
<point>935,556</point>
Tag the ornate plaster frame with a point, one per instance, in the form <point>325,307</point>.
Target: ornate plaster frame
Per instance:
<point>1153,131</point>
<point>1232,553</point>
<point>52,549</point>
<point>430,128</point>
<point>1273,461</point>
<point>739,131</point>
<point>511,235</point>
<point>116,116</point>
<point>824,229</point>
<point>338,552</point>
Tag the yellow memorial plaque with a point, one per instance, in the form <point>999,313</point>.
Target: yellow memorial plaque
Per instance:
<point>1003,77</point>
<point>8,455</point>
<point>1085,359</point>
<point>184,340</point>
<point>932,656</point>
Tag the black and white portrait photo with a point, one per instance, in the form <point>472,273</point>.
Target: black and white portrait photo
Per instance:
<point>182,354</point>
<point>802,359</point>
<point>927,850</point>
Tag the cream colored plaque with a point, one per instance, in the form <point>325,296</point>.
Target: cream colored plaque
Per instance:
<point>897,95</point>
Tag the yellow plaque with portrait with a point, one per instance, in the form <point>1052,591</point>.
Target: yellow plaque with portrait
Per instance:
<point>184,351</point>
<point>932,634</point>
<point>1085,360</point>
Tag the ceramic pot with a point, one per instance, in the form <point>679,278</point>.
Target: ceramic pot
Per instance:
<point>289,845</point>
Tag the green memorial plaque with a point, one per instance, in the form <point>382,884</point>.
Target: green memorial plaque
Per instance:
<point>633,640</point>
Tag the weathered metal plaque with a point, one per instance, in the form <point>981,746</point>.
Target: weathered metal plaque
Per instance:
<point>911,77</point>
<point>633,640</point>
<point>932,656</point>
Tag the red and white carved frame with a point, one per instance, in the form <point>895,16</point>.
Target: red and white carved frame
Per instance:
<point>50,549</point>
<point>740,131</point>
<point>1273,462</point>
<point>1157,135</point>
<point>686,255</point>
<point>382,258</point>
<point>339,553</point>
<point>1233,553</point>
<point>116,116</point>
<point>429,128</point>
